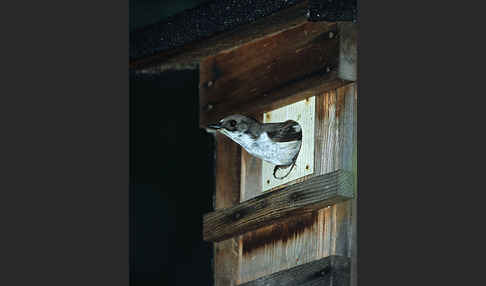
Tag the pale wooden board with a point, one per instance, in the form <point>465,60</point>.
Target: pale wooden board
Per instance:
<point>304,113</point>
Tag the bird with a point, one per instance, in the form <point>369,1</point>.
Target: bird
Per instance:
<point>276,143</point>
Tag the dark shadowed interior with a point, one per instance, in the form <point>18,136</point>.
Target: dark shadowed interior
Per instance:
<point>171,182</point>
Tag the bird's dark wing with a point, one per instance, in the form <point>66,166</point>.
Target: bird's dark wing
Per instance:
<point>283,132</point>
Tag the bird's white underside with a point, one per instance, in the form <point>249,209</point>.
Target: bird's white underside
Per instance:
<point>278,153</point>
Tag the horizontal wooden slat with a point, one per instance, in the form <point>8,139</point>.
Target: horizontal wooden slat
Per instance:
<point>331,270</point>
<point>292,92</point>
<point>304,197</point>
<point>244,76</point>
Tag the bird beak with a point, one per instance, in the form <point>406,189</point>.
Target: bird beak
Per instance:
<point>215,126</point>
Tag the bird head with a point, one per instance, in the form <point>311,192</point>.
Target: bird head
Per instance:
<point>234,125</point>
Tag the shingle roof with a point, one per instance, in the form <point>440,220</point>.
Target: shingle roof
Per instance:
<point>218,16</point>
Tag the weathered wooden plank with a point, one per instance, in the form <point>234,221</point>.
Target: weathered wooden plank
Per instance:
<point>308,196</point>
<point>335,133</point>
<point>313,85</point>
<point>348,50</point>
<point>354,218</point>
<point>190,55</point>
<point>279,246</point>
<point>227,194</point>
<point>243,76</point>
<point>330,231</point>
<point>332,270</point>
<point>228,166</point>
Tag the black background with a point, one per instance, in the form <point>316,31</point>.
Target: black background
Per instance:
<point>146,12</point>
<point>172,181</point>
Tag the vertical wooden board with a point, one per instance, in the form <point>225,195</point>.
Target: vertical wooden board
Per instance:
<point>227,194</point>
<point>278,247</point>
<point>304,113</point>
<point>228,169</point>
<point>354,217</point>
<point>335,134</point>
<point>340,230</point>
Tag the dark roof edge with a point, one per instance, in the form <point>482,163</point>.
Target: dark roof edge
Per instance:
<point>332,10</point>
<point>214,17</point>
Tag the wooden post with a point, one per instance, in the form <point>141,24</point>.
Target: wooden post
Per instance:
<point>348,51</point>
<point>227,195</point>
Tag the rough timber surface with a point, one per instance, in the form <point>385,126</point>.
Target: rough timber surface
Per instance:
<point>226,195</point>
<point>182,42</point>
<point>241,77</point>
<point>298,199</point>
<point>325,232</point>
<point>331,270</point>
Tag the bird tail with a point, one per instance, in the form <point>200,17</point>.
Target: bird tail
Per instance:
<point>282,167</point>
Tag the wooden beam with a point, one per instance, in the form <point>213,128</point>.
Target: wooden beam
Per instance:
<point>292,92</point>
<point>305,197</point>
<point>348,51</point>
<point>226,195</point>
<point>332,270</point>
<point>260,71</point>
<point>191,55</point>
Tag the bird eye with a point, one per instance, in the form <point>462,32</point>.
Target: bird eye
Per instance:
<point>233,123</point>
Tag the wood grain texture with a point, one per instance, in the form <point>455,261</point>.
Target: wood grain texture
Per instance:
<point>228,169</point>
<point>227,194</point>
<point>331,270</point>
<point>335,132</point>
<point>190,55</point>
<point>348,50</point>
<point>335,128</point>
<point>279,246</point>
<point>308,196</point>
<point>242,76</point>
<point>354,210</point>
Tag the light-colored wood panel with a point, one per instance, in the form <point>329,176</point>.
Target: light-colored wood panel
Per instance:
<point>302,112</point>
